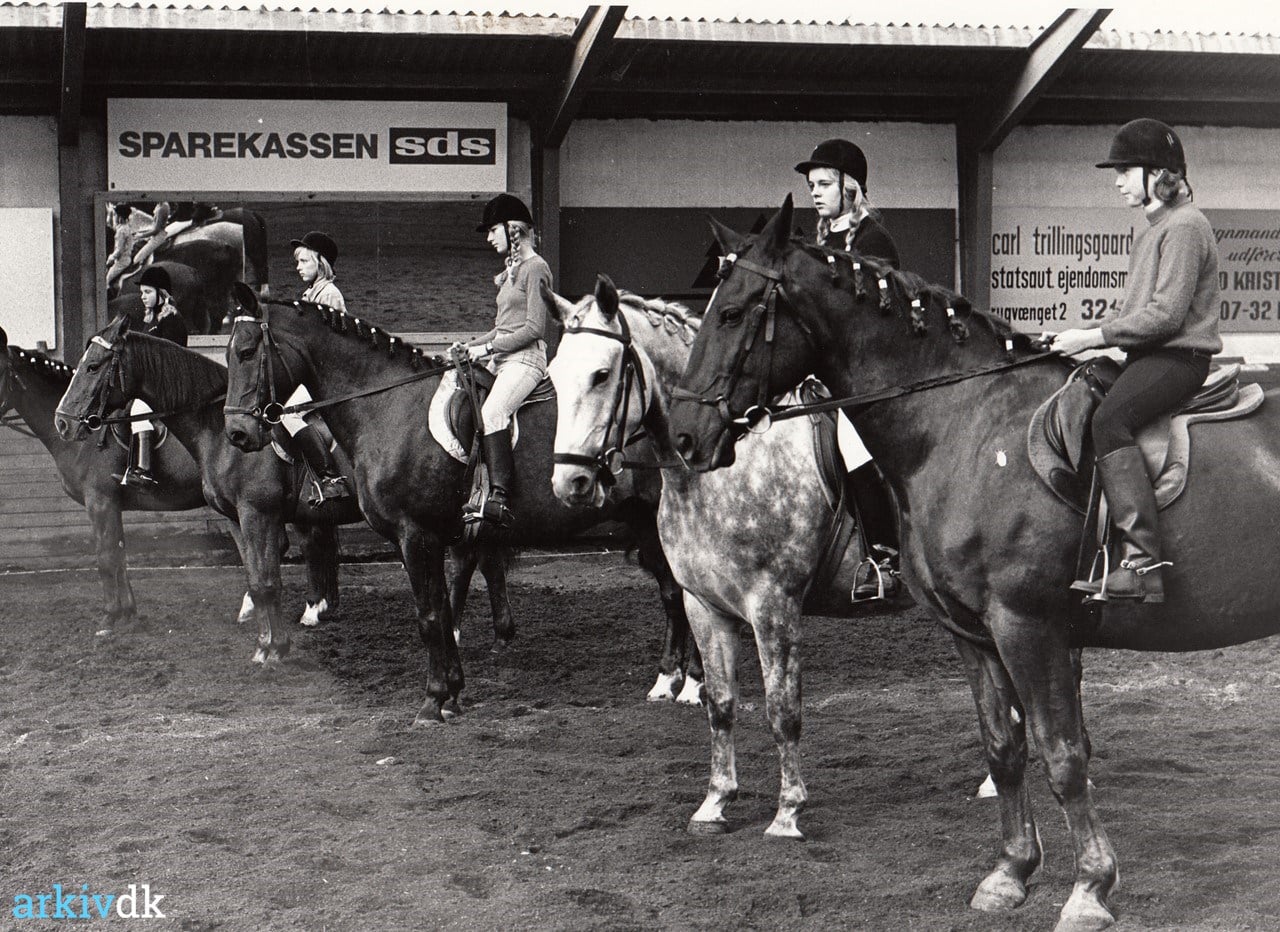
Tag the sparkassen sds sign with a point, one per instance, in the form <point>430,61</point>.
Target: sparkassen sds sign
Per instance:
<point>306,146</point>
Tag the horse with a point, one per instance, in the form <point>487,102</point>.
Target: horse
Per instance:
<point>746,543</point>
<point>258,493</point>
<point>410,487</point>
<point>942,394</point>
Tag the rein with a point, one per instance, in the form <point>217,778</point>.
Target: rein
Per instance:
<point>759,417</point>
<point>95,421</point>
<point>273,412</point>
<point>610,462</point>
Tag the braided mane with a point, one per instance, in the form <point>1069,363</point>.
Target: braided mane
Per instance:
<point>373,338</point>
<point>42,363</point>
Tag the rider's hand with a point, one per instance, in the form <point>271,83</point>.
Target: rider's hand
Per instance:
<point>477,352</point>
<point>1077,340</point>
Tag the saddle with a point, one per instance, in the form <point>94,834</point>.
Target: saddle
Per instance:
<point>122,432</point>
<point>831,468</point>
<point>452,421</point>
<point>1061,453</point>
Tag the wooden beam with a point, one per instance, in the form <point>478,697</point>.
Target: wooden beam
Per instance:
<point>1046,57</point>
<point>544,166</point>
<point>73,33</point>
<point>590,49</point>
<point>975,176</point>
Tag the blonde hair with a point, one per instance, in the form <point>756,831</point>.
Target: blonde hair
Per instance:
<point>1169,185</point>
<point>861,207</point>
<point>517,231</point>
<point>324,271</point>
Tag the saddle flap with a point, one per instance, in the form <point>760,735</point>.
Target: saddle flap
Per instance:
<point>452,420</point>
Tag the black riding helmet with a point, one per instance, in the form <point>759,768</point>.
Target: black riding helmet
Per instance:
<point>156,277</point>
<point>503,209</point>
<point>1148,143</point>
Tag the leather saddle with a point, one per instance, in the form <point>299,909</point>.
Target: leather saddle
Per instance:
<point>121,432</point>
<point>452,420</point>
<point>1061,452</point>
<point>831,468</point>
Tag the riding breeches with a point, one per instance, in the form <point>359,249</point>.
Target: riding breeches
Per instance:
<point>1152,383</point>
<point>515,376</point>
<point>138,406</point>
<point>295,422</point>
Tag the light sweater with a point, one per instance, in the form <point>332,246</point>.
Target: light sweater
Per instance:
<point>1172,295</point>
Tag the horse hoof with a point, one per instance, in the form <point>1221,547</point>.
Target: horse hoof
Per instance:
<point>987,790</point>
<point>998,892</point>
<point>787,830</point>
<point>1084,913</point>
<point>451,709</point>
<point>428,716</point>
<point>664,688</point>
<point>719,827</point>
<point>499,646</point>
<point>690,693</point>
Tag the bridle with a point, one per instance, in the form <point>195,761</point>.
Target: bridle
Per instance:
<point>611,460</point>
<point>273,411</point>
<point>762,320</point>
<point>114,375</point>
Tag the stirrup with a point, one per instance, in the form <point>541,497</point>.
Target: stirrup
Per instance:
<point>135,478</point>
<point>327,489</point>
<point>489,520</point>
<point>887,584</point>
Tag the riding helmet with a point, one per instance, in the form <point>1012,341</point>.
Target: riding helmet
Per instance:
<point>502,209</point>
<point>320,243</point>
<point>1146,142</point>
<point>840,154</point>
<point>156,277</point>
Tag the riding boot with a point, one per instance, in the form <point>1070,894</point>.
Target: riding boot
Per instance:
<point>328,482</point>
<point>502,477</point>
<point>1132,503</point>
<point>137,474</point>
<point>877,510</point>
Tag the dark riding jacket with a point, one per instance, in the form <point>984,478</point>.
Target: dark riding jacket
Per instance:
<point>870,239</point>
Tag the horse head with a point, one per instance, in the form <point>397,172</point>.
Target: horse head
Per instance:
<point>258,374</point>
<point>599,392</point>
<point>749,348</point>
<point>99,383</point>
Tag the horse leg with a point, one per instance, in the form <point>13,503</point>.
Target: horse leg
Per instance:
<point>246,604</point>
<point>679,637</point>
<point>424,562</point>
<point>1004,736</point>
<point>119,605</point>
<point>493,564</point>
<point>718,634</point>
<point>778,644</point>
<point>319,546</point>
<point>465,560</point>
<point>1041,666</point>
<point>262,536</point>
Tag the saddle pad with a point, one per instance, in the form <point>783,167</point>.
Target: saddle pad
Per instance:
<point>122,432</point>
<point>442,423</point>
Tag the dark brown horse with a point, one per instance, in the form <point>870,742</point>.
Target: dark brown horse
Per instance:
<point>410,488</point>
<point>945,402</point>
<point>30,385</point>
<point>259,493</point>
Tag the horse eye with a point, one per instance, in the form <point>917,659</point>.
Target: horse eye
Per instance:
<point>731,315</point>
<point>244,355</point>
<point>599,377</point>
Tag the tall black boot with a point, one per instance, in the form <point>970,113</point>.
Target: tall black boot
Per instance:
<point>137,474</point>
<point>502,477</point>
<point>1132,502</point>
<point>329,483</point>
<point>878,513</point>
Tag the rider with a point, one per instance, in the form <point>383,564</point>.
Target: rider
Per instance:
<point>837,177</point>
<point>515,346</point>
<point>315,255</point>
<point>156,234</point>
<point>160,318</point>
<point>1168,327</point>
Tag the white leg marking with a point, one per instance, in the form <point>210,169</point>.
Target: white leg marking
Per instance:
<point>246,610</point>
<point>691,692</point>
<point>987,790</point>
<point>664,689</point>
<point>311,616</point>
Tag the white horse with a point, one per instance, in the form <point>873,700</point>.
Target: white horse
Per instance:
<point>745,542</point>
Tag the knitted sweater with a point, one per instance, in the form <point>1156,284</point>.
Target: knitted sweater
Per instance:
<point>324,291</point>
<point>522,310</point>
<point>1172,295</point>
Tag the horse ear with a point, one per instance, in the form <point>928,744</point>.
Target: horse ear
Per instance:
<point>4,339</point>
<point>561,307</point>
<point>777,232</point>
<point>123,324</point>
<point>246,299</point>
<point>729,240</point>
<point>606,296</point>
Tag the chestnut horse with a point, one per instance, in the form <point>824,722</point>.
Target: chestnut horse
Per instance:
<point>769,513</point>
<point>942,395</point>
<point>376,390</point>
<point>258,493</point>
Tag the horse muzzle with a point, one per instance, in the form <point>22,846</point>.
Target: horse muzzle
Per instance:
<point>577,486</point>
<point>71,428</point>
<point>245,432</point>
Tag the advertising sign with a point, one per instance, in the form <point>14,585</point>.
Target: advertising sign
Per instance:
<point>1054,268</point>
<point>297,146</point>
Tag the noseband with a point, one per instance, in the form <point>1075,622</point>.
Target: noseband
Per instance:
<point>764,315</point>
<point>95,421</point>
<point>611,461</point>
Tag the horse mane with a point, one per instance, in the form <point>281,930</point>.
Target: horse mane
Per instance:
<point>906,287</point>
<point>43,364</point>
<point>184,376</point>
<point>659,312</point>
<point>374,338</point>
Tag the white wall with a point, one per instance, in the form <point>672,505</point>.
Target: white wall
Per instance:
<point>28,162</point>
<point>28,211</point>
<point>687,163</point>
